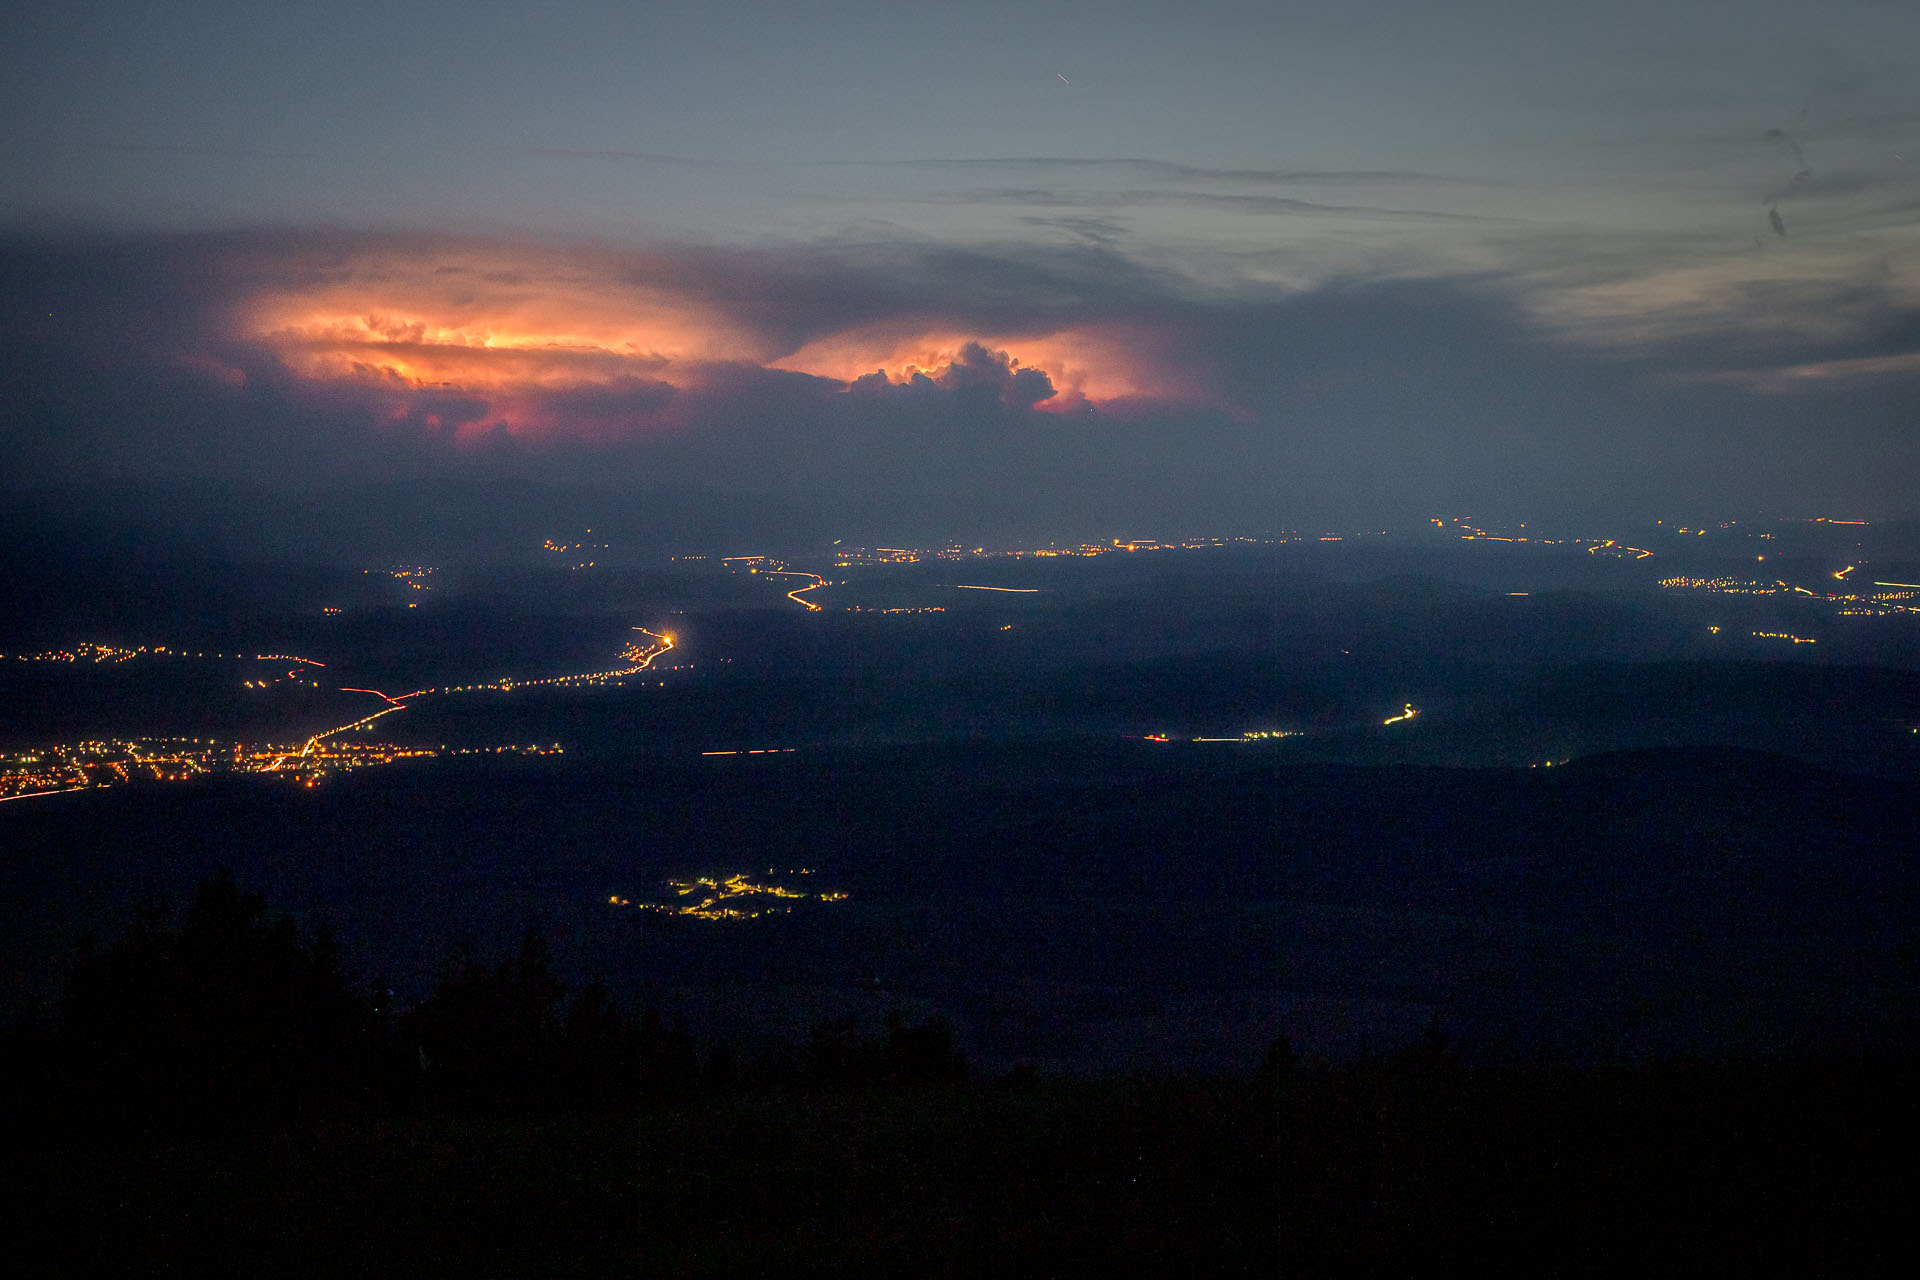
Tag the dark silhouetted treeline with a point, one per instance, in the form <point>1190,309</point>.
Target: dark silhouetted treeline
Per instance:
<point>228,1021</point>
<point>216,1095</point>
<point>232,1021</point>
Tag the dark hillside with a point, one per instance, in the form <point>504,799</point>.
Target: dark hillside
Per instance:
<point>1076,900</point>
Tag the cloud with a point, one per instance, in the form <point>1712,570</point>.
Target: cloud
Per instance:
<point>603,156</point>
<point>1227,202</point>
<point>1780,137</point>
<point>1097,232</point>
<point>943,387</point>
<point>531,327</point>
<point>197,150</point>
<point>1163,170</point>
<point>973,372</point>
<point>311,358</point>
<point>1818,374</point>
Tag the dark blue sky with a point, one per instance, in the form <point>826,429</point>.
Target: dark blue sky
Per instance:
<point>1216,264</point>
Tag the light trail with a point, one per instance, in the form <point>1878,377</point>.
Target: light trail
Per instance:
<point>1408,714</point>
<point>1024,591</point>
<point>1914,586</point>
<point>1639,553</point>
<point>317,738</point>
<point>666,643</point>
<point>28,795</point>
<point>376,693</point>
<point>641,658</point>
<point>794,595</point>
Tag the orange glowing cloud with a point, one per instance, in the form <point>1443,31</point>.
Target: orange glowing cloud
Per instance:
<point>500,324</point>
<point>511,327</point>
<point>1083,365</point>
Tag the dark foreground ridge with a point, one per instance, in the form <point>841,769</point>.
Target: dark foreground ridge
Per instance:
<point>216,1096</point>
<point>1354,1170</point>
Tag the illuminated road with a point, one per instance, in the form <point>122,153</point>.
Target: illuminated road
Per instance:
<point>28,795</point>
<point>666,643</point>
<point>1610,547</point>
<point>638,656</point>
<point>794,595</point>
<point>376,693</point>
<point>317,738</point>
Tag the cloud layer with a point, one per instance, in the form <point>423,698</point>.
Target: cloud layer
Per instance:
<point>1071,388</point>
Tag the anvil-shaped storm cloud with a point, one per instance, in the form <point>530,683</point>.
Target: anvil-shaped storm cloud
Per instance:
<point>529,337</point>
<point>1056,387</point>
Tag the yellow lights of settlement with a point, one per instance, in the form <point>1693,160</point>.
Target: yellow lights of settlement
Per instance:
<point>734,897</point>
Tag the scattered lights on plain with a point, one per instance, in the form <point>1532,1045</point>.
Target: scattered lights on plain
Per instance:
<point>1251,735</point>
<point>736,897</point>
<point>107,762</point>
<point>1900,598</point>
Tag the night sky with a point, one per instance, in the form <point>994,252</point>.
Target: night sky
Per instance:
<point>1222,267</point>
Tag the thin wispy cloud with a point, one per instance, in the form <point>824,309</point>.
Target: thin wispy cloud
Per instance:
<point>601,155</point>
<point>1252,205</point>
<point>1813,377</point>
<point>1102,233</point>
<point>1174,172</point>
<point>214,151</point>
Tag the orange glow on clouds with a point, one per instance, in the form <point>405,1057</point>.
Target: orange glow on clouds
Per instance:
<point>511,327</point>
<point>493,324</point>
<point>1083,365</point>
